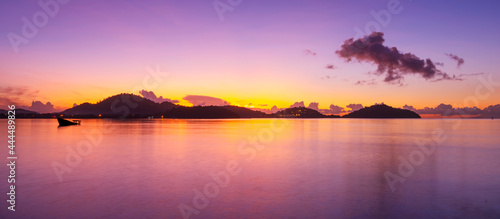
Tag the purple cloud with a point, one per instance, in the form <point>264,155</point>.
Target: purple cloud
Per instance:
<point>309,52</point>
<point>40,107</point>
<point>314,106</point>
<point>333,110</point>
<point>150,95</point>
<point>391,62</point>
<point>199,100</point>
<point>298,104</point>
<point>354,107</point>
<point>459,60</point>
<point>448,110</point>
<point>366,82</point>
<point>331,67</point>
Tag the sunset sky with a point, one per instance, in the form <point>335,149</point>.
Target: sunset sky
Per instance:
<point>261,52</point>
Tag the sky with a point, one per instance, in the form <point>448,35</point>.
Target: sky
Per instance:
<point>249,53</point>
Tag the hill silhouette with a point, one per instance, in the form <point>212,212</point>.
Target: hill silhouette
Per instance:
<point>123,104</point>
<point>300,112</point>
<point>382,111</point>
<point>20,113</point>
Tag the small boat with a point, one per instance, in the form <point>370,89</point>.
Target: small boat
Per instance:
<point>64,122</point>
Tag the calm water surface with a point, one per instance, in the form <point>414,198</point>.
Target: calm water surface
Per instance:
<point>317,168</point>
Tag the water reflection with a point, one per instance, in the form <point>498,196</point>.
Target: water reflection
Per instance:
<point>313,168</point>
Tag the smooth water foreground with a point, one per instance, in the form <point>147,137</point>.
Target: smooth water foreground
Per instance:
<point>261,168</point>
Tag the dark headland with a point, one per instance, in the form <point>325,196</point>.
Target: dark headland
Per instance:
<point>133,106</point>
<point>382,111</point>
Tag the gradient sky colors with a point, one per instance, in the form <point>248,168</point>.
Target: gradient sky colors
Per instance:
<point>264,52</point>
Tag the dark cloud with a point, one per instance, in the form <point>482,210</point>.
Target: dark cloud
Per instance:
<point>150,95</point>
<point>459,60</point>
<point>390,61</point>
<point>354,107</point>
<point>199,100</point>
<point>309,52</point>
<point>331,67</point>
<point>448,110</point>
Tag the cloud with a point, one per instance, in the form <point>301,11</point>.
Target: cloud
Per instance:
<point>314,106</point>
<point>18,96</point>
<point>309,52</point>
<point>390,61</point>
<point>448,110</point>
<point>333,110</point>
<point>439,63</point>
<point>40,107</point>
<point>199,100</point>
<point>7,101</point>
<point>150,95</point>
<point>297,104</point>
<point>15,95</point>
<point>472,74</point>
<point>409,108</point>
<point>331,67</point>
<point>459,60</point>
<point>354,107</point>
<point>366,82</point>
<point>274,109</point>
<point>337,109</point>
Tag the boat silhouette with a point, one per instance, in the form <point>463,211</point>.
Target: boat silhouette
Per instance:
<point>64,122</point>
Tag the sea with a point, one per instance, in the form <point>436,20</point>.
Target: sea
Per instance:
<point>253,168</point>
